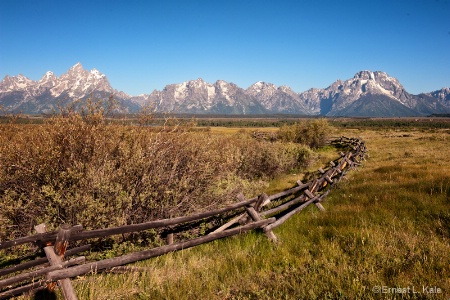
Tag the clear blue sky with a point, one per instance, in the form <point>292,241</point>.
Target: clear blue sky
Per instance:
<point>145,45</point>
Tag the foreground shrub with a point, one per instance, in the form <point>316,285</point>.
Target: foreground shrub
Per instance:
<point>77,169</point>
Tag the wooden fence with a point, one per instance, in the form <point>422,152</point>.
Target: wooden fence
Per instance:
<point>263,212</point>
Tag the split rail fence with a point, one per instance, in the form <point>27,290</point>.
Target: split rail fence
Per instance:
<point>263,212</point>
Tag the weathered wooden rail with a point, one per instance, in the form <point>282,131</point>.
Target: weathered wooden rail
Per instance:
<point>263,212</point>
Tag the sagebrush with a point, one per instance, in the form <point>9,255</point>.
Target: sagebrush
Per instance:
<point>78,168</point>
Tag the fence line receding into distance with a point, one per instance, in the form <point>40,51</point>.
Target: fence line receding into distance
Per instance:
<point>264,212</point>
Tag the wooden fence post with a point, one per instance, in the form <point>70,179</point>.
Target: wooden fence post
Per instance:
<point>54,259</point>
<point>263,200</point>
<point>256,217</point>
<point>310,195</point>
<point>170,238</point>
<point>62,240</point>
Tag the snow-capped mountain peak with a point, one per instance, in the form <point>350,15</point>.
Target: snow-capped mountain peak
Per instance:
<point>367,93</point>
<point>365,75</point>
<point>49,80</point>
<point>15,83</point>
<point>18,92</point>
<point>368,82</point>
<point>262,90</point>
<point>96,74</point>
<point>77,66</point>
<point>443,95</point>
<point>78,82</point>
<point>48,74</point>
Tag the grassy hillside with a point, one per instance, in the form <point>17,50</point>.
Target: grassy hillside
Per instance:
<point>386,228</point>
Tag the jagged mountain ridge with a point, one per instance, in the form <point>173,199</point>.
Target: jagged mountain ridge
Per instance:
<point>198,96</point>
<point>20,94</point>
<point>367,86</point>
<point>442,95</point>
<point>366,94</point>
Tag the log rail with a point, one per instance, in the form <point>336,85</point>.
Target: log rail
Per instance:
<point>265,212</point>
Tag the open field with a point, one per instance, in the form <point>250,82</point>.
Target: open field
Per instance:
<point>385,235</point>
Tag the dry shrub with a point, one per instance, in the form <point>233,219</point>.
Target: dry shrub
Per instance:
<point>312,133</point>
<point>78,169</point>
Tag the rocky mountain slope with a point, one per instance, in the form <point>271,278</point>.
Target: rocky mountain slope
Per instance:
<point>198,96</point>
<point>375,94</point>
<point>20,94</point>
<point>366,94</point>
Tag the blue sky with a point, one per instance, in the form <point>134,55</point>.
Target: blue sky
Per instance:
<point>145,45</point>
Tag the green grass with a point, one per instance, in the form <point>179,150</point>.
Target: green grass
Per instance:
<point>386,224</point>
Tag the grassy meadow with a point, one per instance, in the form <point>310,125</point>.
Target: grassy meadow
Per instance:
<point>385,234</point>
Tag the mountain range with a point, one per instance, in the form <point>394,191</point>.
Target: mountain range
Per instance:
<point>369,94</point>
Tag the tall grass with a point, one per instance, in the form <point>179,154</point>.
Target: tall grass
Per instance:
<point>386,225</point>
